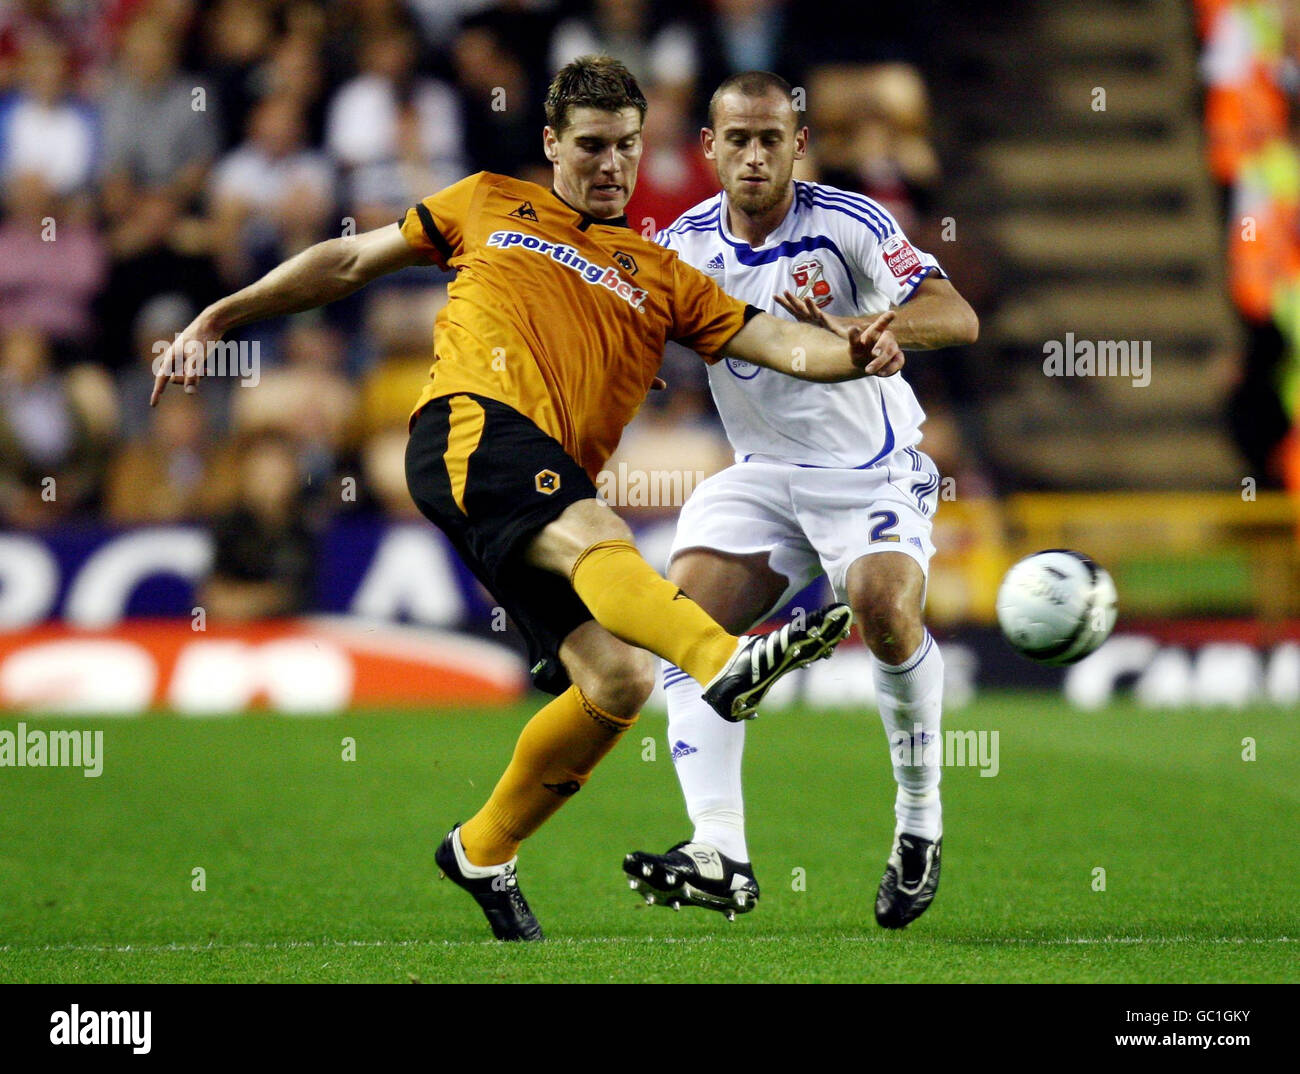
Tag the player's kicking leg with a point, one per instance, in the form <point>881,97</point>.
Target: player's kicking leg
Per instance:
<point>593,547</point>
<point>712,868</point>
<point>886,589</point>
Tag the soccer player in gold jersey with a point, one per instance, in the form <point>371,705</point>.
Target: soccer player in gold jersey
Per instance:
<point>550,340</point>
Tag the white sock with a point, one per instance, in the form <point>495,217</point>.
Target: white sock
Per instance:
<point>910,696</point>
<point>707,753</point>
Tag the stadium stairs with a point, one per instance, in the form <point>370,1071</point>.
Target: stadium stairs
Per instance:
<point>1100,223</point>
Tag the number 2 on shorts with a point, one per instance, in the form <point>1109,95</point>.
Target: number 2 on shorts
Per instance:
<point>888,520</point>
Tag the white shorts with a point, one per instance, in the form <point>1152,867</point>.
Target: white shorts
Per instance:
<point>814,520</point>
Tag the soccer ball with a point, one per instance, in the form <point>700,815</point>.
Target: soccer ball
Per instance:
<point>1056,606</point>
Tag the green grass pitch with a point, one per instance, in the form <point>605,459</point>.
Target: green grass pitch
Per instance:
<point>321,869</point>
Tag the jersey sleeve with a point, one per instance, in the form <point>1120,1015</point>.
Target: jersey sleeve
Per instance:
<point>705,317</point>
<point>436,226</point>
<point>665,239</point>
<point>889,261</point>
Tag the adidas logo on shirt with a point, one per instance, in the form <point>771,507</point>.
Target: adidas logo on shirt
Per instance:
<point>715,263</point>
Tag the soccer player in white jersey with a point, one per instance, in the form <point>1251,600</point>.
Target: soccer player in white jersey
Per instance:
<point>828,478</point>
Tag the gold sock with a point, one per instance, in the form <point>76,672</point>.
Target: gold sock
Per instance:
<point>630,600</point>
<point>553,758</point>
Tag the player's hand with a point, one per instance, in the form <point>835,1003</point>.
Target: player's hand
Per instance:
<point>875,350</point>
<point>184,359</point>
<point>806,310</point>
<point>658,384</point>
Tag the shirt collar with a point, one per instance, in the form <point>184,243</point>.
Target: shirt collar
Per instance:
<point>587,219</point>
<point>776,235</point>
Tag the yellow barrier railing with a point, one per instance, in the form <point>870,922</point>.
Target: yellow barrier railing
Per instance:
<point>1255,539</point>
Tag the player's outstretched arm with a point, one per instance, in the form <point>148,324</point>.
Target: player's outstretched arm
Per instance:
<point>319,275</point>
<point>810,353</point>
<point>935,316</point>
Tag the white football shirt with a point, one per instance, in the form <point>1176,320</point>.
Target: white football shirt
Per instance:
<point>847,253</point>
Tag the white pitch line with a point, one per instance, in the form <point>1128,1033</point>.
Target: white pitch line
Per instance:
<point>296,945</point>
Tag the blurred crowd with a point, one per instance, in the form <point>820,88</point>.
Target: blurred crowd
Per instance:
<point>1250,66</point>
<point>155,154</point>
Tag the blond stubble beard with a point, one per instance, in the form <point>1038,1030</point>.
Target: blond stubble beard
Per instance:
<point>769,202</point>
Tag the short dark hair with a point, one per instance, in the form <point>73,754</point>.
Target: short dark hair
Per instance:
<point>751,84</point>
<point>591,82</point>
